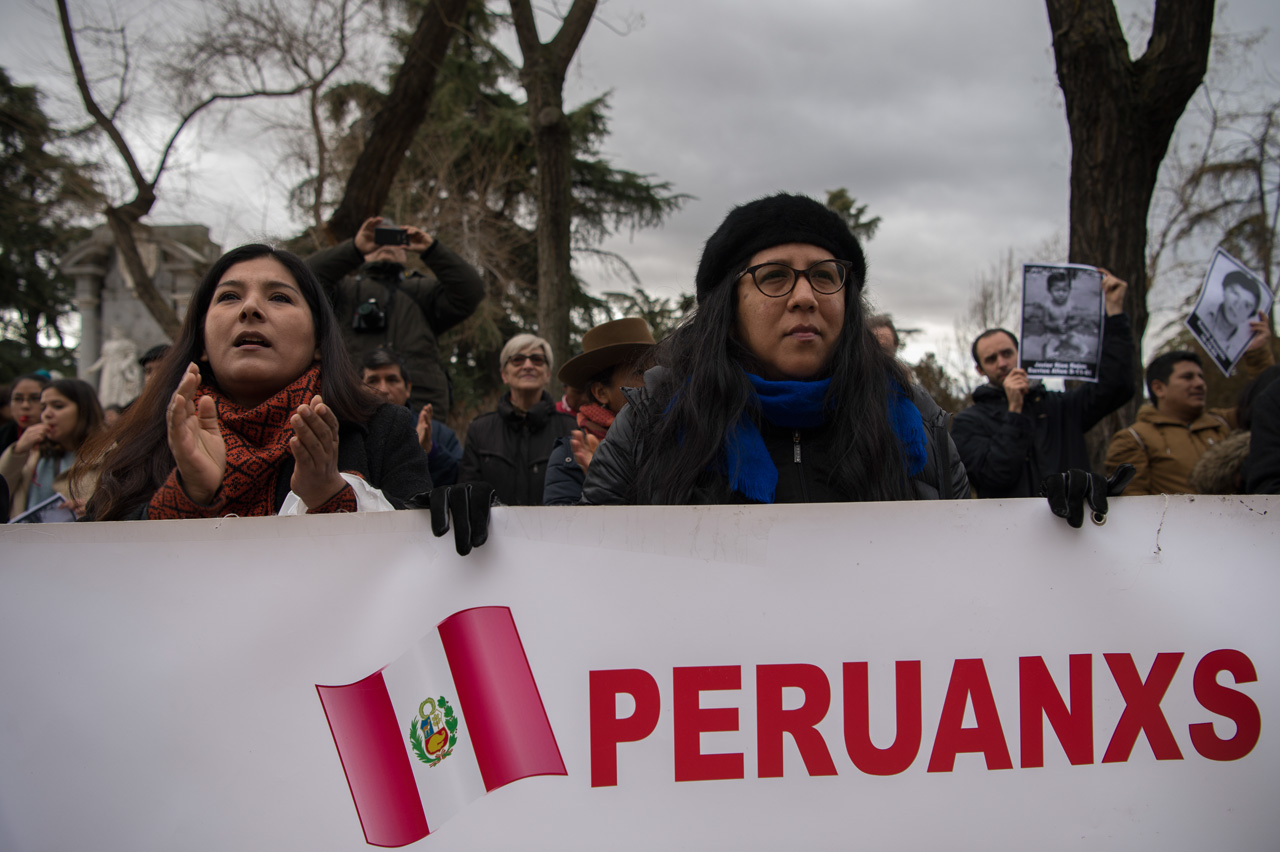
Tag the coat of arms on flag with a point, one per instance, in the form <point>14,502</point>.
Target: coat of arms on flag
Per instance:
<point>433,731</point>
<point>495,731</point>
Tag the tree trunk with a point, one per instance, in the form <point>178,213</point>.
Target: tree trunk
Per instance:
<point>555,199</point>
<point>122,230</point>
<point>1121,114</point>
<point>399,119</point>
<point>542,76</point>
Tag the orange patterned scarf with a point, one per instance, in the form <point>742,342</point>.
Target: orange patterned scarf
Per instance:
<point>257,446</point>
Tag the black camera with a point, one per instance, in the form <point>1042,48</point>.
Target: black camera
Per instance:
<point>369,318</point>
<point>390,237</point>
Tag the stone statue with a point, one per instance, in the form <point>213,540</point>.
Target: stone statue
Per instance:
<point>120,379</point>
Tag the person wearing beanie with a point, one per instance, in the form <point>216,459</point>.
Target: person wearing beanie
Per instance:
<point>610,361</point>
<point>775,390</point>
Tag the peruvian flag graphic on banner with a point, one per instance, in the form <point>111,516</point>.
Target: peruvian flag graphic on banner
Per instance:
<point>456,716</point>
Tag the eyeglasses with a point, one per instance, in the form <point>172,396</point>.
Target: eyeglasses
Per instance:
<point>537,359</point>
<point>18,399</point>
<point>776,280</point>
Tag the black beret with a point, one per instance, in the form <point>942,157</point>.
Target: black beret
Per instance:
<point>773,221</point>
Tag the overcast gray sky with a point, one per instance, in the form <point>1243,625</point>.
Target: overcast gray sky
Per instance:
<point>944,117</point>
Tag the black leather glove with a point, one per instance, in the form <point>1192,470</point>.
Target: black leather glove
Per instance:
<point>468,503</point>
<point>1068,492</point>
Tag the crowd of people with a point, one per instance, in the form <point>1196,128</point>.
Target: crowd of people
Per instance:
<point>317,385</point>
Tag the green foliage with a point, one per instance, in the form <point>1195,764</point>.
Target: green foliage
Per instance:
<point>944,389</point>
<point>41,191</point>
<point>470,179</point>
<point>606,199</point>
<point>416,740</point>
<point>450,720</point>
<point>853,213</point>
<point>662,315</point>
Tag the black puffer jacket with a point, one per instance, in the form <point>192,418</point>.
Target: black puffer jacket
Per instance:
<point>509,450</point>
<point>1262,468</point>
<point>1008,454</point>
<point>612,474</point>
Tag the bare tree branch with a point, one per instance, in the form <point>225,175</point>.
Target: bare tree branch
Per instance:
<point>101,118</point>
<point>237,64</point>
<point>121,219</point>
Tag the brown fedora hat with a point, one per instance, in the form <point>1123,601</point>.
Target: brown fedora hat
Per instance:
<point>607,345</point>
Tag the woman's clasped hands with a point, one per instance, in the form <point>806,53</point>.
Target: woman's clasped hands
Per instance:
<point>195,439</point>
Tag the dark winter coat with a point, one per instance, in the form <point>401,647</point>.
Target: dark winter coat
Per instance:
<point>8,434</point>
<point>509,450</point>
<point>385,452</point>
<point>805,459</point>
<point>417,309</point>
<point>445,457</point>
<point>564,478</point>
<point>1262,467</point>
<point>1008,454</point>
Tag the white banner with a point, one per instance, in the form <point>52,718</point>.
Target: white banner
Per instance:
<point>968,675</point>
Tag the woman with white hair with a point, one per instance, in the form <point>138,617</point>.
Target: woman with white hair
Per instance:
<point>508,448</point>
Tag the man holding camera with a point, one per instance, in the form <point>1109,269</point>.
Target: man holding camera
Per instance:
<point>379,304</point>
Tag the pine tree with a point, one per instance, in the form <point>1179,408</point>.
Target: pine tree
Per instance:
<point>470,179</point>
<point>41,191</point>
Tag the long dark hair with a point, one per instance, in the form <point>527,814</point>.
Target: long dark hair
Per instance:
<point>706,391</point>
<point>89,420</point>
<point>133,459</point>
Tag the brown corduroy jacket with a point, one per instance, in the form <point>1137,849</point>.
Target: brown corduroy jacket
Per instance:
<point>1164,449</point>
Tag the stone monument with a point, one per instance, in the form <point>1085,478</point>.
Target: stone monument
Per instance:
<point>175,256</point>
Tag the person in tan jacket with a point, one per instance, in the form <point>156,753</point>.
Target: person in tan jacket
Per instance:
<point>1172,433</point>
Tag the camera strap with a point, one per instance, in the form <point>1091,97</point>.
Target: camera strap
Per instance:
<point>392,286</point>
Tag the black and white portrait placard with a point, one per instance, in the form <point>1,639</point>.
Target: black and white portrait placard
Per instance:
<point>1062,313</point>
<point>1230,297</point>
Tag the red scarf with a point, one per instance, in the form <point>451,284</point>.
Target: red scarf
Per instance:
<point>257,442</point>
<point>596,419</point>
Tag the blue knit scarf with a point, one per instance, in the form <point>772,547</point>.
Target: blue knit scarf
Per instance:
<point>799,405</point>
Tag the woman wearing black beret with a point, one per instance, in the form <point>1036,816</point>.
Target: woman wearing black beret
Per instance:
<point>775,390</point>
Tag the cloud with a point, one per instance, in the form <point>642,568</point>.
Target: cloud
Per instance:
<point>944,117</point>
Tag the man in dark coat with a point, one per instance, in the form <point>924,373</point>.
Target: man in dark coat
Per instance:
<point>378,304</point>
<point>1016,433</point>
<point>1262,467</point>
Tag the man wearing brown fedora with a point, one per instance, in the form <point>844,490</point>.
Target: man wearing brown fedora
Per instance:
<point>612,359</point>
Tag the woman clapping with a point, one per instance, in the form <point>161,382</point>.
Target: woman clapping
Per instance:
<point>256,411</point>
